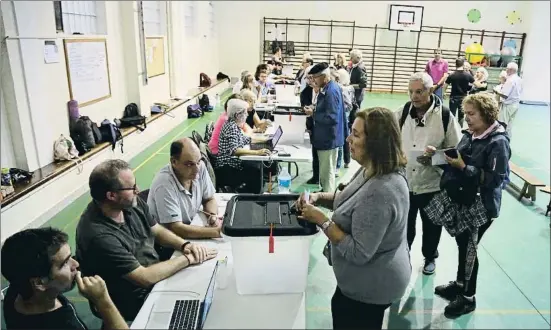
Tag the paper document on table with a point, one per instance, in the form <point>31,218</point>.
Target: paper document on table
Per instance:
<point>437,159</point>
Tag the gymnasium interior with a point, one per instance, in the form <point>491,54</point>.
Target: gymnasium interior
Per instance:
<point>155,54</point>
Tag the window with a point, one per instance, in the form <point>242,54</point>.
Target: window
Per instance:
<point>212,21</point>
<point>153,18</point>
<point>76,17</point>
<point>190,18</point>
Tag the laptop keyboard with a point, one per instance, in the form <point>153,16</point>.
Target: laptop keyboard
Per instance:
<point>184,315</point>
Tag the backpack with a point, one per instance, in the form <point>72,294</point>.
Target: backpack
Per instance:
<point>445,117</point>
<point>133,118</point>
<point>204,103</point>
<point>83,135</point>
<point>111,133</point>
<point>222,76</point>
<point>204,80</point>
<point>64,149</point>
<point>194,111</point>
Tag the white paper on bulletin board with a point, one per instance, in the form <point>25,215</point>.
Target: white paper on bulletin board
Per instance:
<point>87,70</point>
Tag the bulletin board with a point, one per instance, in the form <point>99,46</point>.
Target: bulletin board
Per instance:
<point>155,56</point>
<point>87,70</point>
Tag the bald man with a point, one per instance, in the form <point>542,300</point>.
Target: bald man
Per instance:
<point>183,189</point>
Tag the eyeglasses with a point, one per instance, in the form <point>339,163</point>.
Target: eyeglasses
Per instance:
<point>134,188</point>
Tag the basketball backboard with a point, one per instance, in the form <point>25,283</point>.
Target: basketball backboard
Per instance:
<point>404,17</point>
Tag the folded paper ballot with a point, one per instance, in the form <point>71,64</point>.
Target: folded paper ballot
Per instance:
<point>439,158</point>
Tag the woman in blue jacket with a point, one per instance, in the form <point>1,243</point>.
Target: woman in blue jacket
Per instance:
<point>470,199</point>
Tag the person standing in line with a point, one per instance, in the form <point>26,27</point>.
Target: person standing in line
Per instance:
<point>358,77</point>
<point>367,229</point>
<point>460,81</point>
<point>328,124</point>
<point>510,97</point>
<point>437,68</point>
<point>421,120</point>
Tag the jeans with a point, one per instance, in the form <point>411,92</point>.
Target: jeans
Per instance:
<point>456,108</point>
<point>439,92</point>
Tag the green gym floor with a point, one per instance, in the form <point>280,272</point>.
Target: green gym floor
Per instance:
<point>513,287</point>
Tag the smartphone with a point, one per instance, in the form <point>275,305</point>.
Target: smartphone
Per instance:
<point>452,153</point>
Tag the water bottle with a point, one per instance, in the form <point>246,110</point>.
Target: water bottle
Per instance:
<point>217,98</point>
<point>284,181</point>
<point>223,275</point>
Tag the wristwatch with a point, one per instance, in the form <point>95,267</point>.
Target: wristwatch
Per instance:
<point>326,225</point>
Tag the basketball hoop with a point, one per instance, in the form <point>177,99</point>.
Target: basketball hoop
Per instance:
<point>406,27</point>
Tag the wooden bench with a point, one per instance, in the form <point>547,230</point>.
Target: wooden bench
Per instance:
<point>530,182</point>
<point>53,170</point>
<point>547,190</point>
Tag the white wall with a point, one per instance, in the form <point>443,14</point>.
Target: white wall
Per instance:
<point>240,33</point>
<point>35,94</point>
<point>40,91</point>
<point>7,157</point>
<point>535,67</point>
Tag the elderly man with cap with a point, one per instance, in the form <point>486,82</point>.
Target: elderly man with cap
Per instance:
<point>329,124</point>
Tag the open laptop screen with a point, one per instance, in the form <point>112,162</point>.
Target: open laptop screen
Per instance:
<point>209,295</point>
<point>277,136</point>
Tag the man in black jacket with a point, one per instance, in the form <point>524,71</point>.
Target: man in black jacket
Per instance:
<point>358,77</point>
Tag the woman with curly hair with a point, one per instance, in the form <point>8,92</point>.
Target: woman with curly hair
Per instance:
<point>472,185</point>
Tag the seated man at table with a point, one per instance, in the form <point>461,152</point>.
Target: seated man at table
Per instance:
<point>181,189</point>
<point>39,267</point>
<point>115,239</point>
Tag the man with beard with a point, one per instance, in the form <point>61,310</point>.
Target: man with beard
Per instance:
<point>39,267</point>
<point>116,236</point>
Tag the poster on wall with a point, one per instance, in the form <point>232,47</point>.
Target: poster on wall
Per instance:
<point>87,70</point>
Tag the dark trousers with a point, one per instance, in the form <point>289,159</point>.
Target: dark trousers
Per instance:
<point>462,241</point>
<point>431,232</point>
<point>456,108</point>
<point>351,314</point>
<point>315,162</point>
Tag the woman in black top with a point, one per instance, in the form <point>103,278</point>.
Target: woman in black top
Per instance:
<point>480,81</point>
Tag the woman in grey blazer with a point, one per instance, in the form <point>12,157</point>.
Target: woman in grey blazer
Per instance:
<point>370,255</point>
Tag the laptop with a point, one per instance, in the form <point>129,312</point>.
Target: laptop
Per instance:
<point>192,313</point>
<point>287,70</point>
<point>271,143</point>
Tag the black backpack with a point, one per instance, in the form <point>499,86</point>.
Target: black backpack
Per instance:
<point>194,111</point>
<point>110,133</point>
<point>83,135</point>
<point>133,118</point>
<point>204,103</point>
<point>445,116</point>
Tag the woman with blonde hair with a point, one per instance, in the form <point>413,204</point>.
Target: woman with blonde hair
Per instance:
<point>472,187</point>
<point>480,81</point>
<point>253,123</point>
<point>340,61</point>
<point>367,231</point>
